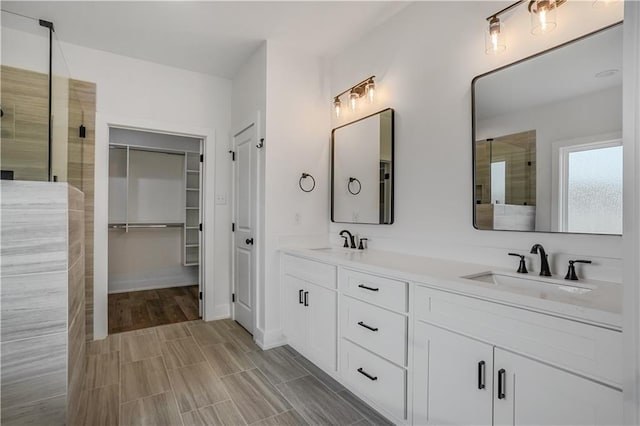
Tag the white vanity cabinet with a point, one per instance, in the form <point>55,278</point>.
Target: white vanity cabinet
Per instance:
<point>453,378</point>
<point>535,393</point>
<point>310,307</point>
<point>374,327</point>
<point>425,355</point>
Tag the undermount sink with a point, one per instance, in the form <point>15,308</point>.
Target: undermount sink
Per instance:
<point>504,279</point>
<point>334,249</point>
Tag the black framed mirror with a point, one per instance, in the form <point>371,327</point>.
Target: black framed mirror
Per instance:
<point>362,168</point>
<point>547,140</point>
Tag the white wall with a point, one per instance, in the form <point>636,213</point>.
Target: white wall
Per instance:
<point>425,58</point>
<point>593,114</point>
<point>297,141</point>
<point>145,95</point>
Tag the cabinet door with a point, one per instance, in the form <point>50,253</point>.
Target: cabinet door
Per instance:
<point>452,378</point>
<point>538,394</point>
<point>321,326</point>
<point>295,313</point>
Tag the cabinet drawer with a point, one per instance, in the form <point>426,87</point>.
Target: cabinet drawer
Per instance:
<point>309,270</point>
<point>589,350</point>
<point>375,378</point>
<point>377,329</point>
<point>385,292</point>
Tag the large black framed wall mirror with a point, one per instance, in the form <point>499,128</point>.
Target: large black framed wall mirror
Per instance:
<point>362,170</point>
<point>547,140</point>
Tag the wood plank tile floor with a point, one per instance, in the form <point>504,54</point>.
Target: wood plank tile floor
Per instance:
<point>209,373</point>
<point>149,308</point>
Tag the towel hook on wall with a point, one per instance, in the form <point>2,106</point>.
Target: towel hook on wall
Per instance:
<point>351,180</point>
<point>304,176</point>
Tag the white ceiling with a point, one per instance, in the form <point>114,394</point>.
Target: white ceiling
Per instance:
<point>208,37</point>
<point>558,75</point>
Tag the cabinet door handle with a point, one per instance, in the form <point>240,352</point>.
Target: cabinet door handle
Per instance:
<point>306,298</point>
<point>481,374</point>
<point>368,288</point>
<point>502,383</point>
<point>300,296</point>
<point>367,375</point>
<point>361,324</point>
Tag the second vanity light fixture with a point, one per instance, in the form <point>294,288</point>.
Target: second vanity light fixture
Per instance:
<point>365,89</point>
<point>543,20</point>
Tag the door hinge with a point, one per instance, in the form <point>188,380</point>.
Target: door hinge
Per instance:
<point>233,227</point>
<point>233,297</point>
<point>233,155</point>
<point>200,296</point>
<point>202,158</point>
<point>200,227</point>
<point>82,132</point>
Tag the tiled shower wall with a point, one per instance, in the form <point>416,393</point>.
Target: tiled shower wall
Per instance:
<point>42,301</point>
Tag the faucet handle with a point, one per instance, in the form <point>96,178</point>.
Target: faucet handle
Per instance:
<point>571,273</point>
<point>522,267</point>
<point>346,241</point>
<point>362,245</point>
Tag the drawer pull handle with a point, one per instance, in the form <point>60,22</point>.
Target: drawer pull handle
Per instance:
<point>481,375</point>
<point>361,324</point>
<point>502,384</point>
<point>300,296</point>
<point>367,375</point>
<point>368,288</point>
<point>306,298</point>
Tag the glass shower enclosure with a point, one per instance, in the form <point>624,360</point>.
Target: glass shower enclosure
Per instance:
<point>37,105</point>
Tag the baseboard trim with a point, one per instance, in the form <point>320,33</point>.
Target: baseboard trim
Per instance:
<point>269,339</point>
<point>154,286</point>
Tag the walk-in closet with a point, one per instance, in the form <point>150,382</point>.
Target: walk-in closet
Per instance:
<point>155,238</point>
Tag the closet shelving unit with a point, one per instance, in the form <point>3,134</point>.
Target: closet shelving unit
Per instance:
<point>191,218</point>
<point>193,180</point>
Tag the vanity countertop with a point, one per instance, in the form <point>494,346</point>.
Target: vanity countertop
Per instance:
<point>601,306</point>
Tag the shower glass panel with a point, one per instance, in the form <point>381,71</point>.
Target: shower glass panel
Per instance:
<point>24,99</point>
<point>41,109</point>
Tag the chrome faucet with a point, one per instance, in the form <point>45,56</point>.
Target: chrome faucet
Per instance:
<point>351,239</point>
<point>544,262</point>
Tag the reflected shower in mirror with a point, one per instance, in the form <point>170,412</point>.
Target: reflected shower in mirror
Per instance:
<point>548,140</point>
<point>362,170</point>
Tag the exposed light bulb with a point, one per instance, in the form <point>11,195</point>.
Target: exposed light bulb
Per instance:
<point>543,16</point>
<point>353,100</point>
<point>370,89</point>
<point>337,104</point>
<point>494,38</point>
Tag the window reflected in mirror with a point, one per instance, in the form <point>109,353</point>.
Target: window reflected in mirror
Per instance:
<point>547,140</point>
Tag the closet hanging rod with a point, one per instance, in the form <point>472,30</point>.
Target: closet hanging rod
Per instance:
<point>153,149</point>
<point>146,225</point>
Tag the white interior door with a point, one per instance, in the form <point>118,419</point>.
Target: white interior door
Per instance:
<point>244,235</point>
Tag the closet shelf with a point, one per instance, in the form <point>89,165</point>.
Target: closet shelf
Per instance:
<point>193,189</point>
<point>191,264</point>
<point>192,227</point>
<point>192,245</point>
<point>192,208</point>
<point>193,171</point>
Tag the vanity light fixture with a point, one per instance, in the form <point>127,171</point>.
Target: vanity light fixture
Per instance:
<point>543,16</point>
<point>366,88</point>
<point>494,40</point>
<point>543,20</point>
<point>337,106</point>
